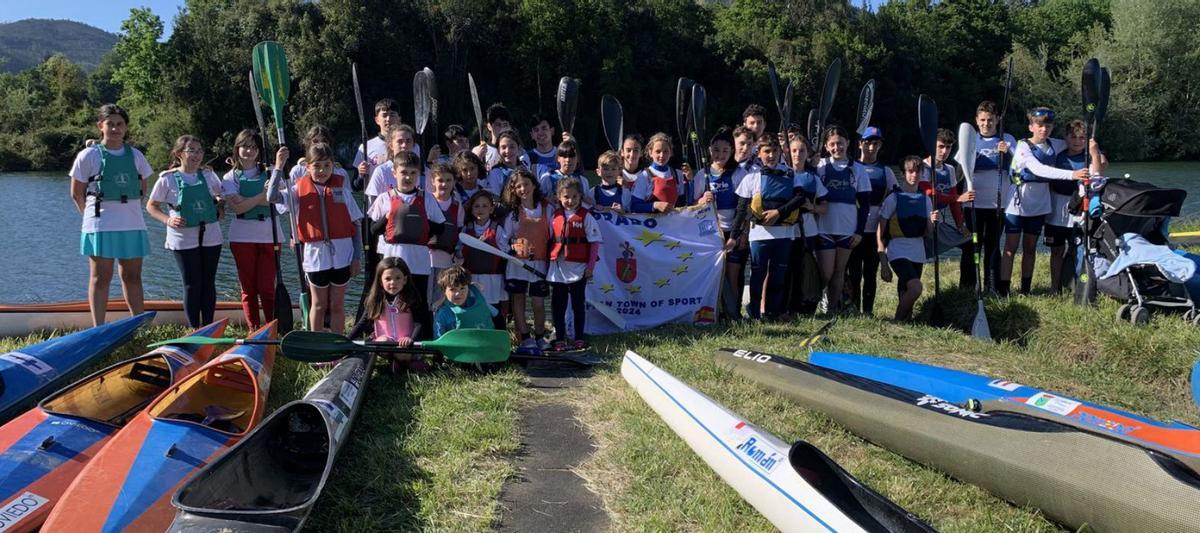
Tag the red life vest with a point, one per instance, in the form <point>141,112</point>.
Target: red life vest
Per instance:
<point>570,237</point>
<point>309,202</point>
<point>407,223</point>
<point>447,240</point>
<point>535,231</point>
<point>479,262</point>
<point>666,188</point>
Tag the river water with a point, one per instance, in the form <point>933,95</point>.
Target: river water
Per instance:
<point>39,239</point>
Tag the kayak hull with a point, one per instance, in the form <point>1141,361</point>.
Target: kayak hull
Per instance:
<point>263,486</point>
<point>43,450</point>
<point>764,471</point>
<point>23,319</point>
<point>128,485</point>
<point>1073,477</point>
<point>32,371</point>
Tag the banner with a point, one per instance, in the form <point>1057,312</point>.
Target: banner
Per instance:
<point>656,269</point>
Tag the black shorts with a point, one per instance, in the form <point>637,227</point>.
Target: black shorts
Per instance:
<point>335,276</point>
<point>905,271</point>
<point>737,256</point>
<point>1056,235</point>
<point>536,289</point>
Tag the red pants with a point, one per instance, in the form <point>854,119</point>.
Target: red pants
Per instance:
<point>256,272</point>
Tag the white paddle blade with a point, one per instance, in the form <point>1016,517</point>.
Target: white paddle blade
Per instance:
<point>966,153</point>
<point>979,328</point>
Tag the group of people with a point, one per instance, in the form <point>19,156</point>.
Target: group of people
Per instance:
<point>817,227</point>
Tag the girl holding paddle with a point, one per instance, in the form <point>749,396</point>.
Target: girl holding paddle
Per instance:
<point>253,231</point>
<point>485,269</point>
<point>395,310</point>
<point>105,177</point>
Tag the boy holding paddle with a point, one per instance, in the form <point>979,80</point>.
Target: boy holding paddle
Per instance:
<point>992,155</point>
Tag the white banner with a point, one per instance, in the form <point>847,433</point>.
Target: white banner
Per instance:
<point>656,269</point>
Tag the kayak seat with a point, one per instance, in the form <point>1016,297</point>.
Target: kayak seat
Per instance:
<point>154,375</point>
<point>215,416</point>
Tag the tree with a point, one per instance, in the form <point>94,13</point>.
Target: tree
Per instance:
<point>140,73</point>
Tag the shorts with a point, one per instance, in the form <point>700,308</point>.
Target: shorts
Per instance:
<point>1027,225</point>
<point>536,289</point>
<point>338,277</point>
<point>737,256</point>
<point>130,244</point>
<point>831,242</point>
<point>1057,235</point>
<point>905,271</point>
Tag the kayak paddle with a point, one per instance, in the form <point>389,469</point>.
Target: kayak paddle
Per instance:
<point>283,300</point>
<point>478,110</point>
<point>473,242</point>
<point>833,75</point>
<point>613,120</point>
<point>1090,91</point>
<point>460,345</point>
<point>567,100</point>
<point>927,116</point>
<point>697,132</point>
<point>866,107</point>
<point>683,93</point>
<point>967,141</point>
<point>816,338</point>
<point>432,94</point>
<point>365,228</point>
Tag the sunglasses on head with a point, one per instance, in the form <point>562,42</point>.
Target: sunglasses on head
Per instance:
<point>1043,112</point>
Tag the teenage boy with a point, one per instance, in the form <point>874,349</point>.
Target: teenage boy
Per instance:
<point>993,155</point>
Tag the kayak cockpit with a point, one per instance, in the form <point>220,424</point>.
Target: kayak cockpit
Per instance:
<point>115,395</point>
<point>223,397</point>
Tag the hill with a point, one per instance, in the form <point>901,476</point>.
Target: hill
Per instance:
<point>25,43</point>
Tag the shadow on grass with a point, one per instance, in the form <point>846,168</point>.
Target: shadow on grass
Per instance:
<point>1009,319</point>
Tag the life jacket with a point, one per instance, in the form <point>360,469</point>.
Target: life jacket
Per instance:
<point>605,195</point>
<point>463,194</point>
<point>1072,162</point>
<point>878,176</point>
<point>987,157</point>
<point>503,173</point>
<point>322,215</point>
<point>535,231</point>
<point>911,218</point>
<point>776,188</point>
<point>250,187</point>
<point>721,186</point>
<point>840,183</point>
<point>555,176</point>
<point>118,177</point>
<point>394,324</point>
<point>480,262</point>
<point>943,182</point>
<point>195,203</point>
<point>474,313</point>
<point>1046,156</point>
<point>665,188</point>
<point>541,164</point>
<point>407,223</point>
<point>447,239</point>
<point>570,236</point>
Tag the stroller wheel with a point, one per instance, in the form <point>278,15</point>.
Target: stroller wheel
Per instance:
<point>1123,312</point>
<point>1196,318</point>
<point>1139,315</point>
<point>1189,315</point>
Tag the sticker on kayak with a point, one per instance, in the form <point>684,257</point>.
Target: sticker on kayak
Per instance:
<point>337,418</point>
<point>1004,384</point>
<point>937,404</point>
<point>17,509</point>
<point>752,356</point>
<point>754,448</point>
<point>30,363</point>
<point>1054,404</point>
<point>181,356</point>
<point>348,393</point>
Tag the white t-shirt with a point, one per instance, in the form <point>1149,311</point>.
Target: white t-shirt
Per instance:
<point>378,150</point>
<point>910,248</point>
<point>642,187</point>
<point>166,192</point>
<point>1032,198</point>
<point>114,215</point>
<point>841,218</point>
<point>416,255</point>
<point>752,184</point>
<point>249,229</point>
<point>563,271</point>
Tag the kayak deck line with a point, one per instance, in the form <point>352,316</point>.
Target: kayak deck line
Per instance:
<point>23,319</point>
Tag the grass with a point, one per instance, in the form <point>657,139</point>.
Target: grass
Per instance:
<point>432,451</point>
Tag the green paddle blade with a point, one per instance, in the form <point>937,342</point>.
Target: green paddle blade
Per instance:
<point>274,80</point>
<point>473,345</point>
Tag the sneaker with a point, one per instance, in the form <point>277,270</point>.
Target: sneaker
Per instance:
<point>823,306</point>
<point>543,344</point>
<point>580,345</point>
<point>528,344</point>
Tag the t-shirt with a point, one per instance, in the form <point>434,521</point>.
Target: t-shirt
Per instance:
<point>114,215</point>
<point>988,178</point>
<point>249,229</point>
<point>416,255</point>
<point>563,271</point>
<point>641,186</point>
<point>378,150</point>
<point>910,248</point>
<point>540,162</point>
<point>750,185</point>
<point>166,192</point>
<point>1032,198</point>
<point>841,218</point>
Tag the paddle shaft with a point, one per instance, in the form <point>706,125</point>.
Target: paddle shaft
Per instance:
<point>283,300</point>
<point>366,221</point>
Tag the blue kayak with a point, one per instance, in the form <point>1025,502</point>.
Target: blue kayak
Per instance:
<point>33,371</point>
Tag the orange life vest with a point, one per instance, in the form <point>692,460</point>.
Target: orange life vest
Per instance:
<point>535,231</point>
<point>311,201</point>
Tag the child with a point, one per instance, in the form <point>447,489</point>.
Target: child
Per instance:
<point>572,257</point>
<point>633,172</point>
<point>528,228</point>
<point>315,134</point>
<point>1028,205</point>
<point>105,177</point>
<point>443,242</point>
<point>254,232</point>
<point>463,306</point>
<point>188,201</point>
<point>486,269</point>
<point>469,170</point>
<point>566,165</point>
<point>992,154</point>
<point>456,142</point>
<point>395,311</point>
<point>326,221</point>
<point>744,142</point>
<point>754,118</point>
<point>842,226</point>
<point>387,114</point>
<point>803,263</point>
<point>666,183</point>
<point>719,185</point>
<point>610,194</point>
<point>383,179</point>
<point>946,182</point>
<point>905,217</point>
<point>864,262</point>
<point>770,201</point>
<point>498,121</point>
<point>509,146</point>
<point>543,158</point>
<point>1063,196</point>
<point>404,220</point>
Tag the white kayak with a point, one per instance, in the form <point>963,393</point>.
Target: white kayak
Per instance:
<point>796,487</point>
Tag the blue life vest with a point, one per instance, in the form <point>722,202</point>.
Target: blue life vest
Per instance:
<point>911,218</point>
<point>943,181</point>
<point>1071,162</point>
<point>807,183</point>
<point>987,157</point>
<point>606,196</point>
<point>721,186</point>
<point>878,176</point>
<point>541,164</point>
<point>555,176</point>
<point>840,183</point>
<point>1045,156</point>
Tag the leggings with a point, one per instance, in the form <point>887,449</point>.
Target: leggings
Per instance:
<point>989,228</point>
<point>199,269</point>
<point>558,307</point>
<point>768,263</point>
<point>864,268</point>
<point>256,273</point>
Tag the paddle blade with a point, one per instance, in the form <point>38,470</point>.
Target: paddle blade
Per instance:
<point>833,75</point>
<point>274,80</point>
<point>473,345</point>
<point>420,102</point>
<point>866,106</point>
<point>316,346</point>
<point>699,105</point>
<point>567,101</point>
<point>1088,88</point>
<point>966,153</point>
<point>1102,97</point>
<point>284,321</point>
<point>813,129</point>
<point>787,107</point>
<point>257,104</point>
<point>927,116</point>
<point>431,93</point>
<point>979,328</point>
<point>478,110</point>
<point>683,90</point>
<point>775,87</point>
<point>612,119</point>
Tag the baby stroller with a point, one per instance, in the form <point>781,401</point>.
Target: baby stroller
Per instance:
<point>1128,206</point>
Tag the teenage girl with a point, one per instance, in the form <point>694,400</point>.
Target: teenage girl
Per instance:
<point>509,145</point>
<point>468,167</point>
<point>187,199</point>
<point>108,180</point>
<point>842,226</point>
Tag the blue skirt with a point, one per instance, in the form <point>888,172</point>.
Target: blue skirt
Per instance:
<point>131,244</point>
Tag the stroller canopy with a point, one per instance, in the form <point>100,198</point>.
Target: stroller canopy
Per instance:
<point>1138,199</point>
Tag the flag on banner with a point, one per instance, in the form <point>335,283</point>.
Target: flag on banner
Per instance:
<point>657,268</point>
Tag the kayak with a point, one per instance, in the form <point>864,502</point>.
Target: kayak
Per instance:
<point>271,479</point>
<point>1074,477</point>
<point>23,319</point>
<point>1185,238</point>
<point>128,485</point>
<point>43,450</point>
<point>807,491</point>
<point>28,373</point>
<point>988,395</point>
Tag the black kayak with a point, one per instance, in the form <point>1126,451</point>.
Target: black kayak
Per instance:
<point>1077,478</point>
<point>270,480</point>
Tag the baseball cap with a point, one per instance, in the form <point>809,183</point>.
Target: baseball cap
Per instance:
<point>872,133</point>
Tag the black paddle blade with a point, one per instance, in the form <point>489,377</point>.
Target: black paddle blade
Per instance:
<point>612,118</point>
<point>431,94</point>
<point>478,110</point>
<point>699,104</point>
<point>866,106</point>
<point>683,91</point>
<point>833,76</point>
<point>787,109</point>
<point>358,105</point>
<point>775,88</point>
<point>813,129</point>
<point>420,102</point>
<point>284,322</point>
<point>1102,102</point>
<point>566,101</point>
<point>927,117</point>
<point>1088,88</point>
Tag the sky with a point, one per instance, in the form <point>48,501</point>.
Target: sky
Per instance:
<point>104,14</point>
